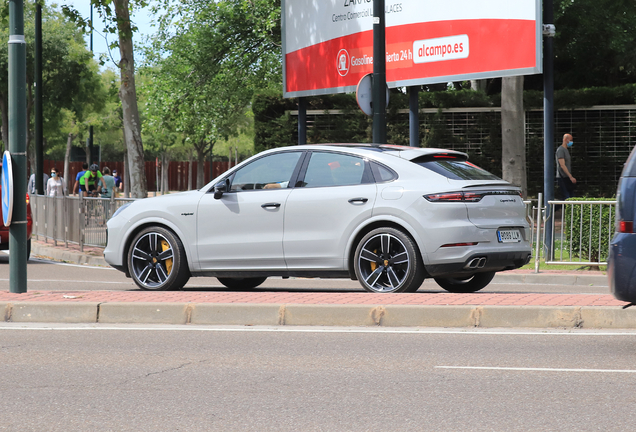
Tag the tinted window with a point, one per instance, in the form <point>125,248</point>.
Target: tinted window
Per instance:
<point>383,174</point>
<point>458,170</point>
<point>269,172</point>
<point>333,169</point>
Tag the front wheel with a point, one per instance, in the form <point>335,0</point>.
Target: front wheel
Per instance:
<point>242,283</point>
<point>469,284</point>
<point>157,260</point>
<point>387,261</point>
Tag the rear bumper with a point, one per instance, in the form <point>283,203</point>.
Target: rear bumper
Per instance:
<point>621,267</point>
<point>481,262</point>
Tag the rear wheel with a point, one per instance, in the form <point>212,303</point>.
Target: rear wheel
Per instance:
<point>387,261</point>
<point>157,260</point>
<point>469,284</point>
<point>242,283</point>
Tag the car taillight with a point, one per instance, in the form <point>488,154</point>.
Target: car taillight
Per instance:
<point>459,244</point>
<point>625,226</point>
<point>27,198</point>
<point>469,196</point>
<point>455,197</point>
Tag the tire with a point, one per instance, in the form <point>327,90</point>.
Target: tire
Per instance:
<point>242,283</point>
<point>470,284</point>
<point>157,260</point>
<point>388,261</point>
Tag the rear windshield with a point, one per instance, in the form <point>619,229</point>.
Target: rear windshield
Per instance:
<point>458,170</point>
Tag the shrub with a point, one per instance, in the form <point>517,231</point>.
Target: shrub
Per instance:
<point>590,228</point>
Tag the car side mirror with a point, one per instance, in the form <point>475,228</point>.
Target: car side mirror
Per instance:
<point>220,188</point>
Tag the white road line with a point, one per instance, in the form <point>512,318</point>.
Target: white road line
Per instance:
<point>283,329</point>
<point>521,369</point>
<point>93,282</point>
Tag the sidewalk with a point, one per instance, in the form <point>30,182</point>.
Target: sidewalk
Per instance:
<point>323,309</point>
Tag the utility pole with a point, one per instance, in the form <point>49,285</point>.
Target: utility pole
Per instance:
<point>39,137</point>
<point>90,128</point>
<point>548,120</point>
<point>17,147</point>
<point>379,73</point>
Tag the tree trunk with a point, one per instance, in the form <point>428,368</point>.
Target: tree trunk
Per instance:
<point>165,162</point>
<point>128,97</point>
<point>127,177</point>
<point>200,166</point>
<point>67,158</point>
<point>190,163</point>
<point>513,149</point>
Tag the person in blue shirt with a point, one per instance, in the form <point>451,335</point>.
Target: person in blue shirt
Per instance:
<point>118,183</point>
<point>79,176</point>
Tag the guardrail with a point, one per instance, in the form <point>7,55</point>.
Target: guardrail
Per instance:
<point>72,219</point>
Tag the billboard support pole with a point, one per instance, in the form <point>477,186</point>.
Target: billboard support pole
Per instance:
<point>414,116</point>
<point>17,147</point>
<point>548,118</point>
<point>302,121</point>
<point>379,73</point>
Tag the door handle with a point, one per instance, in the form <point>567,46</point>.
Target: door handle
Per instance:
<point>270,205</point>
<point>358,200</point>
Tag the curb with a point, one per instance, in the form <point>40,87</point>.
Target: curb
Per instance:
<point>67,255</point>
<point>574,317</point>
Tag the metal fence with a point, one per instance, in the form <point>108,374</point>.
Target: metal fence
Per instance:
<point>71,219</point>
<point>581,231</point>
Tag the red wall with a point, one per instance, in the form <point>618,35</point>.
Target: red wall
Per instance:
<point>177,172</point>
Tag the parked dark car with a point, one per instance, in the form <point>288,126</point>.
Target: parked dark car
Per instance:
<point>4,230</point>
<point>621,267</point>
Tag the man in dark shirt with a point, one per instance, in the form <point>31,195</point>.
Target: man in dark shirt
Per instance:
<point>564,167</point>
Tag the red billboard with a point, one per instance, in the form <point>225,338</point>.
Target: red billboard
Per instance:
<point>328,44</point>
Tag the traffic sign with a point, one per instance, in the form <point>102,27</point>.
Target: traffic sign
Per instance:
<point>7,188</point>
<point>364,93</point>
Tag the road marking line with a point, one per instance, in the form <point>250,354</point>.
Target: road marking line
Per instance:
<point>522,369</point>
<point>93,282</point>
<point>181,327</point>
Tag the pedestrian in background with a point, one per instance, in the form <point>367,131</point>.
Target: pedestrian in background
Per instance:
<point>79,180</point>
<point>109,184</point>
<point>567,183</point>
<point>31,186</point>
<point>55,184</point>
<point>119,184</point>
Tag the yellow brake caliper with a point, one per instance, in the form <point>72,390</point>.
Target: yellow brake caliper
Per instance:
<point>372,264</point>
<point>164,247</point>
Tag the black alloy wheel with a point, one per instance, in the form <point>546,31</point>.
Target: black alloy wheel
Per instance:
<point>157,260</point>
<point>469,284</point>
<point>387,261</point>
<point>242,283</point>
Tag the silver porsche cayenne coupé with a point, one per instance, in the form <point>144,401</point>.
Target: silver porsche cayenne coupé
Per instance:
<point>388,216</point>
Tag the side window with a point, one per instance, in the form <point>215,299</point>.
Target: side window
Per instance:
<point>334,169</point>
<point>269,172</point>
<point>383,174</point>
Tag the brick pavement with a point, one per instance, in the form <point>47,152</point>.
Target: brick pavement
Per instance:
<point>417,299</point>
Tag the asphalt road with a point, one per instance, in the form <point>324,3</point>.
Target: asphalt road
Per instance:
<point>50,276</point>
<point>188,378</point>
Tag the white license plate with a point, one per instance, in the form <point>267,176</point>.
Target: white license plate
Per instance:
<point>509,236</point>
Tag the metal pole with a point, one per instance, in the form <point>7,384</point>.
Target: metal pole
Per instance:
<point>379,73</point>
<point>414,116</point>
<point>17,147</point>
<point>548,117</point>
<point>537,246</point>
<point>90,128</point>
<point>302,121</point>
<point>39,137</point>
